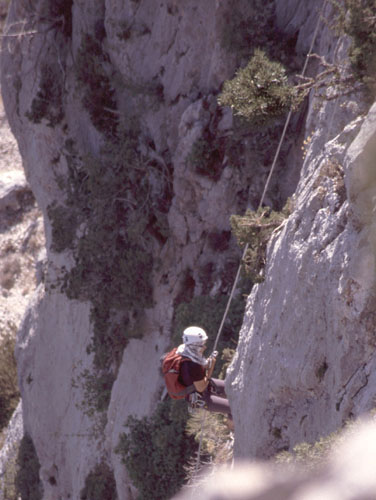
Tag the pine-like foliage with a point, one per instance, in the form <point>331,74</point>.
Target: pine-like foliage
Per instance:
<point>99,484</point>
<point>360,24</point>
<point>256,228</point>
<point>216,435</point>
<point>9,393</point>
<point>260,92</point>
<point>156,449</point>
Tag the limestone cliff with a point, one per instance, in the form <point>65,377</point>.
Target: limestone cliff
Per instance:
<point>113,104</point>
<point>305,361</point>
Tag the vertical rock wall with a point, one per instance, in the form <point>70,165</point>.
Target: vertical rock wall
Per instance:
<point>161,68</point>
<point>305,361</point>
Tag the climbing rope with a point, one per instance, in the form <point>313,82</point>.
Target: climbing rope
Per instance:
<point>259,206</point>
<point>269,176</point>
<point>203,417</point>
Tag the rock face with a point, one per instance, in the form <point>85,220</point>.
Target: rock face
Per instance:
<point>79,79</point>
<point>9,452</point>
<point>74,76</point>
<point>305,362</point>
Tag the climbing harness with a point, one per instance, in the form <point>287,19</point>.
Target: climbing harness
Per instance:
<point>259,206</point>
<point>195,402</point>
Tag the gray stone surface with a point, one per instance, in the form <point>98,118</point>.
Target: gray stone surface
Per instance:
<point>12,185</point>
<point>176,46</point>
<point>166,65</point>
<point>9,452</point>
<point>306,352</point>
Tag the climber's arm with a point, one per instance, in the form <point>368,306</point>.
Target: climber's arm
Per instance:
<point>201,385</point>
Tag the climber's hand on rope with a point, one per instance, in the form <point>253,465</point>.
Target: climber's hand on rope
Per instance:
<point>210,367</point>
<point>212,359</point>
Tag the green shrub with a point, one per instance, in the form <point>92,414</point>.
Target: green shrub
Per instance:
<point>48,103</point>
<point>115,204</point>
<point>360,25</point>
<point>63,227</point>
<point>9,474</point>
<point>156,449</point>
<point>219,240</point>
<point>215,436</point>
<point>92,65</point>
<point>58,13</point>
<point>99,484</point>
<point>97,391</point>
<point>256,228</point>
<point>206,157</point>
<point>9,393</point>
<point>312,455</point>
<point>113,260</point>
<point>113,200</point>
<point>28,483</point>
<point>260,92</point>
<point>357,19</point>
<point>242,33</point>
<point>226,358</point>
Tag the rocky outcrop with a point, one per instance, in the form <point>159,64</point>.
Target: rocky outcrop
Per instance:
<point>79,79</point>
<point>305,361</point>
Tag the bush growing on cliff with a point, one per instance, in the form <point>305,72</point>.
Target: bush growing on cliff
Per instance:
<point>112,199</point>
<point>97,391</point>
<point>99,95</point>
<point>215,437</point>
<point>156,449</point>
<point>250,25</point>
<point>99,484</point>
<point>28,484</point>
<point>206,157</point>
<point>260,92</point>
<point>360,25</point>
<point>255,229</point>
<point>9,393</point>
<point>58,13</point>
<point>48,102</point>
<point>312,455</point>
<point>114,210</point>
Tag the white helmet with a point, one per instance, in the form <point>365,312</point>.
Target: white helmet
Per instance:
<point>194,335</point>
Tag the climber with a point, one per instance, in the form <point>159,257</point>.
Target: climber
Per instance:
<point>188,373</point>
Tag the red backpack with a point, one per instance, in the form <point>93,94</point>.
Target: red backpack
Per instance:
<point>171,369</point>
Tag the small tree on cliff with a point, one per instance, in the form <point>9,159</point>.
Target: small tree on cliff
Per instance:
<point>260,92</point>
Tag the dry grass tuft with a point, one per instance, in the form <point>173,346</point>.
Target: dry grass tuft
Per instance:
<point>9,273</point>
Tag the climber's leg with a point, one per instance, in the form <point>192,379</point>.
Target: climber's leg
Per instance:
<point>217,387</point>
<point>216,404</point>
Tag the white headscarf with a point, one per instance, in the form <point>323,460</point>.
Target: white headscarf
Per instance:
<point>192,351</point>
